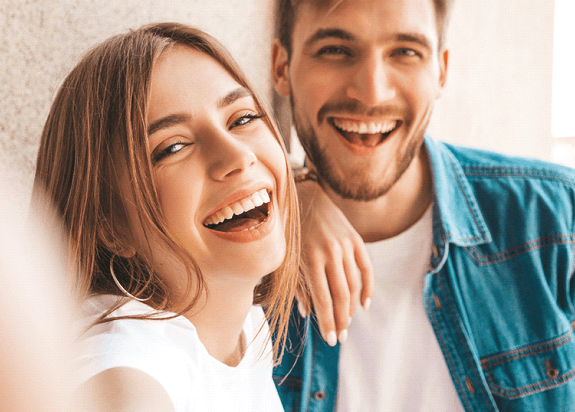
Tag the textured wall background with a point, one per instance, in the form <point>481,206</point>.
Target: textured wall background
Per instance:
<point>41,40</point>
<point>498,90</point>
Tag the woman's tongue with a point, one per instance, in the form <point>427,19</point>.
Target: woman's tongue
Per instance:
<point>242,222</point>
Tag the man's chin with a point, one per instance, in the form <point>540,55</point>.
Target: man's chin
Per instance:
<point>352,189</point>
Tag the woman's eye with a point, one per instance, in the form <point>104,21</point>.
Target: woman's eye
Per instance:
<point>167,151</point>
<point>246,119</point>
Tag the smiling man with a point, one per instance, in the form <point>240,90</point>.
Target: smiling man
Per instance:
<point>473,287</point>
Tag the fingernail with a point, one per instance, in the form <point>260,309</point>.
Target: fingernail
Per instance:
<point>301,309</point>
<point>331,338</point>
<point>367,304</point>
<point>343,336</point>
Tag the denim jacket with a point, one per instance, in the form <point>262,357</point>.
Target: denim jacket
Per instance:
<point>499,292</point>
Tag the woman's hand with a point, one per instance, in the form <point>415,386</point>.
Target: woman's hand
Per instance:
<point>335,263</point>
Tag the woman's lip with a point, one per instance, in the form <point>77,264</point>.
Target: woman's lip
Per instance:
<point>250,235</point>
<point>237,196</point>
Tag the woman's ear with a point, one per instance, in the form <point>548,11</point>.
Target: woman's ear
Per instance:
<point>280,68</point>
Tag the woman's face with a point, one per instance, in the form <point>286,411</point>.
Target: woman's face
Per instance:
<point>219,171</point>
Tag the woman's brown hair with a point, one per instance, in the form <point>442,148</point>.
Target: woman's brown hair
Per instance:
<point>97,129</point>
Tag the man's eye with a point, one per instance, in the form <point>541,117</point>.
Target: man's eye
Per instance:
<point>246,119</point>
<point>333,51</point>
<point>406,52</point>
<point>167,151</point>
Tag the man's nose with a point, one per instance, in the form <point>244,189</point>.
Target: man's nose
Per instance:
<point>229,156</point>
<point>372,81</point>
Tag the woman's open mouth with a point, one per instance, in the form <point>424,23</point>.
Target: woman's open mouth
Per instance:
<point>245,214</point>
<point>365,134</point>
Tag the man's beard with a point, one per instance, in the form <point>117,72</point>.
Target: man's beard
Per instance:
<point>356,185</point>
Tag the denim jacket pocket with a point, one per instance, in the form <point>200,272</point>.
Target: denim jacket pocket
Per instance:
<point>534,376</point>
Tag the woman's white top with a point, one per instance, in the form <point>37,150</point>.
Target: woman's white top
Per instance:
<point>170,351</point>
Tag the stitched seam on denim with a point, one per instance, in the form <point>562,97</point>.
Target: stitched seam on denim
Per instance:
<point>447,355</point>
<point>527,351</point>
<point>520,249</point>
<point>463,344</point>
<point>470,359</point>
<point>473,212</point>
<point>572,272</point>
<point>312,372</point>
<point>291,382</point>
<point>476,171</point>
<point>530,389</point>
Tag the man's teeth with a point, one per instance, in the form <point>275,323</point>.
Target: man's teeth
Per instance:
<point>364,128</point>
<point>237,208</point>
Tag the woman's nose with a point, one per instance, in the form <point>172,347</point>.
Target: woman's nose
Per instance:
<point>229,156</point>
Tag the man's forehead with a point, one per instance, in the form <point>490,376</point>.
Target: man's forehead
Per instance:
<point>374,17</point>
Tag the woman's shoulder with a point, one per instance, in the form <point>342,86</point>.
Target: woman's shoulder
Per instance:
<point>162,350</point>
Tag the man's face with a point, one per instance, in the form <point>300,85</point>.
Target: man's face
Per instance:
<point>363,76</point>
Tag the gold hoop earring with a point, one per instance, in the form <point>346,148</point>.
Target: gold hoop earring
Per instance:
<point>124,291</point>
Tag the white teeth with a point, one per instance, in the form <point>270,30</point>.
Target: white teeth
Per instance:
<point>255,200</point>
<point>364,128</point>
<point>237,208</point>
<point>247,204</point>
<point>228,212</point>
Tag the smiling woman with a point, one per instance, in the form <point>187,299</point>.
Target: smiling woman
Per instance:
<point>181,216</point>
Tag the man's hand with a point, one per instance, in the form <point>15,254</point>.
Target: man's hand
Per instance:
<point>334,262</point>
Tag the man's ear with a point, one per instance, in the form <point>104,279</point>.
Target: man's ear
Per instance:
<point>280,68</point>
<point>443,64</point>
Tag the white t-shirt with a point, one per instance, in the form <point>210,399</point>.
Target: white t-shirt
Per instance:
<point>170,351</point>
<point>391,360</point>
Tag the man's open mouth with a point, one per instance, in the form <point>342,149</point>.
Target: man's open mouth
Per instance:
<point>245,214</point>
<point>366,134</point>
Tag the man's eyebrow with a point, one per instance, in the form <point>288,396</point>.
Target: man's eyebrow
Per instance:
<point>329,33</point>
<point>413,38</point>
<point>168,121</point>
<point>233,96</point>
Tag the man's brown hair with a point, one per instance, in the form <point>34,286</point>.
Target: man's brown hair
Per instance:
<point>287,9</point>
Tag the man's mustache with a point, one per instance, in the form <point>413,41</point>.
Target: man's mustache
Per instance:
<point>356,108</point>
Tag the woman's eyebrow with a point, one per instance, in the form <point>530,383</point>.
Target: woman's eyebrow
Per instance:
<point>168,121</point>
<point>233,96</point>
<point>177,118</point>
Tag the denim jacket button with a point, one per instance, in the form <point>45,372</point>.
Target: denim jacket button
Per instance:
<point>552,372</point>
<point>469,385</point>
<point>435,251</point>
<point>437,302</point>
<point>319,395</point>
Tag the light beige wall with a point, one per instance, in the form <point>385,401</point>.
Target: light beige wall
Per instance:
<point>498,92</point>
<point>43,39</point>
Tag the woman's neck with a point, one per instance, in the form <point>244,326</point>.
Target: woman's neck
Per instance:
<point>220,318</point>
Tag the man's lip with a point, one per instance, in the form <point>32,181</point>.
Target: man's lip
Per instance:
<point>360,148</point>
<point>364,125</point>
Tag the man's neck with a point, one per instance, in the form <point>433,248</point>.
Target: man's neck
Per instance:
<point>397,210</point>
